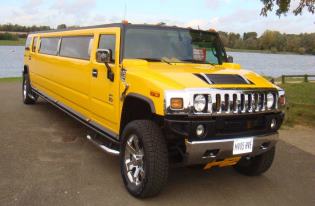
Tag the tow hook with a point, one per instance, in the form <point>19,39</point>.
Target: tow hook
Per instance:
<point>226,162</point>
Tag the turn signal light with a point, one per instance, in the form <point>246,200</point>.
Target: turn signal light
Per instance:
<point>155,94</point>
<point>177,103</point>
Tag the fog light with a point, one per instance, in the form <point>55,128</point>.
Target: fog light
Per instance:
<point>273,123</point>
<point>200,130</point>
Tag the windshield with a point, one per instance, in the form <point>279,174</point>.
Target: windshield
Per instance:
<point>173,45</point>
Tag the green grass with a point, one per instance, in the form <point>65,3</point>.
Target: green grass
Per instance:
<point>20,42</point>
<point>300,104</point>
<point>10,79</point>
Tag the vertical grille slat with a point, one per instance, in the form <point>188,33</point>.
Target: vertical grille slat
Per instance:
<point>227,103</point>
<point>218,103</point>
<point>235,103</point>
<point>250,103</point>
<point>242,103</point>
<point>256,103</point>
<point>222,106</point>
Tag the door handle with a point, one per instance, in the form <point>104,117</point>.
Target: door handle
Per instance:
<point>94,73</point>
<point>29,57</point>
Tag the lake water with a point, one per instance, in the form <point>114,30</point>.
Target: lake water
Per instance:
<point>11,62</point>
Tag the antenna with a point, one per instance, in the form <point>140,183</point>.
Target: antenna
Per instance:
<point>125,11</point>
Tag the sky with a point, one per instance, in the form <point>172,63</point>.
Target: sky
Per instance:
<point>223,15</point>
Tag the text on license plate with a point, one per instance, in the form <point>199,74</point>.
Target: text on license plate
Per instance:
<point>243,145</point>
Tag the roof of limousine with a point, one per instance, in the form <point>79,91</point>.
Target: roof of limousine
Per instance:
<point>121,25</point>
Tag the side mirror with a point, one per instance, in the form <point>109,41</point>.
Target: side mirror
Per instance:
<point>27,48</point>
<point>230,59</point>
<point>104,56</point>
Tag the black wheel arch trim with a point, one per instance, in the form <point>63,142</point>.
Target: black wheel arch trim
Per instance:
<point>25,69</point>
<point>143,98</point>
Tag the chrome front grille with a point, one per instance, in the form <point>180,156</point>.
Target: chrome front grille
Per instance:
<point>239,102</point>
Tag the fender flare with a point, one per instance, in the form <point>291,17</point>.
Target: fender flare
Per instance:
<point>25,69</point>
<point>145,99</point>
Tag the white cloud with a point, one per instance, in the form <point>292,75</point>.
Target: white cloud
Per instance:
<point>215,4</point>
<point>84,12</point>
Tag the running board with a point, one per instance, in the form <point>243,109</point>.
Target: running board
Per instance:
<point>102,146</point>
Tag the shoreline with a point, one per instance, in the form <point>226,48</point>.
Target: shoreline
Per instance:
<point>21,42</point>
<point>264,52</point>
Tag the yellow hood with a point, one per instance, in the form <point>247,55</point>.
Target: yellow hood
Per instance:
<point>183,75</point>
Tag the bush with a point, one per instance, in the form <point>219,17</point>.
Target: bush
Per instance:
<point>8,36</point>
<point>301,50</point>
<point>274,50</point>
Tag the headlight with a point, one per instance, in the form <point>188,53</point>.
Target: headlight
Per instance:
<point>270,100</point>
<point>200,103</point>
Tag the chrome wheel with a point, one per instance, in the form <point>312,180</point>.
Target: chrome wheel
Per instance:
<point>24,90</point>
<point>134,160</point>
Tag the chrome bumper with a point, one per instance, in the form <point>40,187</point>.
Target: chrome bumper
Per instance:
<point>203,152</point>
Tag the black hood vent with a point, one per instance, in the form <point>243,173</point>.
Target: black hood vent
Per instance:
<point>223,79</point>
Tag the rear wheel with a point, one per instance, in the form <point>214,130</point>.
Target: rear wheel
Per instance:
<point>143,158</point>
<point>257,165</point>
<point>28,95</point>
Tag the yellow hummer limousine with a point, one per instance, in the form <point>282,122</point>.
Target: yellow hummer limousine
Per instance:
<point>157,96</point>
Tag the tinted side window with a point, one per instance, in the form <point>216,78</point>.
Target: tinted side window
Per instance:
<point>49,46</point>
<point>76,47</point>
<point>28,42</point>
<point>108,41</point>
<point>34,44</point>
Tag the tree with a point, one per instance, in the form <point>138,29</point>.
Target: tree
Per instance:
<point>283,7</point>
<point>62,26</point>
<point>248,35</point>
<point>233,39</point>
<point>224,38</point>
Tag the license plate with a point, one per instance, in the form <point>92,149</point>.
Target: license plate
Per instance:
<point>243,145</point>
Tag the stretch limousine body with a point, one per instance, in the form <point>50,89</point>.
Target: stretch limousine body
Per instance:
<point>157,96</point>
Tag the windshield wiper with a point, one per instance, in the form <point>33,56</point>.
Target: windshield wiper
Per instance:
<point>151,59</point>
<point>164,60</point>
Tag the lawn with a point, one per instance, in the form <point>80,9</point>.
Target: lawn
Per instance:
<point>20,42</point>
<point>10,79</point>
<point>300,104</point>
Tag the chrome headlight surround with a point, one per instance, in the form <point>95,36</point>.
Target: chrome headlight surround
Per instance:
<point>270,100</point>
<point>200,102</point>
<point>204,101</point>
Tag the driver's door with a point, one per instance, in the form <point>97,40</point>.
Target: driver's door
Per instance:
<point>104,99</point>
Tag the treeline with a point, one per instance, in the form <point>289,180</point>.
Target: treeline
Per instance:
<point>19,28</point>
<point>272,41</point>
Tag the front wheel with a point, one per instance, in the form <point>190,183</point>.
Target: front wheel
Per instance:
<point>143,158</point>
<point>257,165</point>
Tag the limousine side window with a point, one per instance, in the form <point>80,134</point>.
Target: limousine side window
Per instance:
<point>75,47</point>
<point>28,43</point>
<point>49,45</point>
<point>108,41</point>
<point>34,44</point>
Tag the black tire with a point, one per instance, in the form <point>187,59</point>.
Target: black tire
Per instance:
<point>256,165</point>
<point>155,158</point>
<point>27,94</point>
